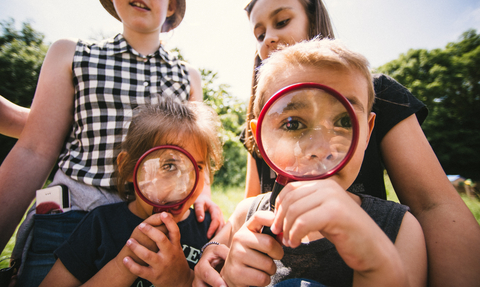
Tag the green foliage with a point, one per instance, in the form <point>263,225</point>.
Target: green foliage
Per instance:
<point>448,82</point>
<point>474,205</point>
<point>227,198</point>
<point>232,114</point>
<point>21,57</point>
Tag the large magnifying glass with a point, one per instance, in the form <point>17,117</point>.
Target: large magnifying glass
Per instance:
<point>306,131</point>
<point>165,177</point>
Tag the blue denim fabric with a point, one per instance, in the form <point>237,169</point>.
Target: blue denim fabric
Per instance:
<point>49,231</point>
<point>299,282</point>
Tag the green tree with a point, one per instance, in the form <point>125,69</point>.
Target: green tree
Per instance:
<point>232,113</point>
<point>448,82</point>
<point>21,57</point>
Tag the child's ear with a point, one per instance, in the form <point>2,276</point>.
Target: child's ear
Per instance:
<point>172,7</point>
<point>253,126</point>
<point>371,124</point>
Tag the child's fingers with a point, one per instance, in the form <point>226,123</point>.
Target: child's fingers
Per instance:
<point>218,221</point>
<point>258,241</point>
<point>146,272</point>
<point>160,239</point>
<point>259,220</point>
<point>204,203</point>
<point>246,276</point>
<point>134,267</point>
<point>289,195</point>
<point>298,214</point>
<point>254,265</point>
<point>300,228</point>
<point>146,255</point>
<point>154,219</point>
<point>206,273</point>
<point>172,227</point>
<point>199,207</point>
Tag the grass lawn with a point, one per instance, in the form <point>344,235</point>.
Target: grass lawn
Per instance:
<point>228,198</point>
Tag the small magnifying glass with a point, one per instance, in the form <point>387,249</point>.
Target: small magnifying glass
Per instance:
<point>306,131</point>
<point>165,177</point>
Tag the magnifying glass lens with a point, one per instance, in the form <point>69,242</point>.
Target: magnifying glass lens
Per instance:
<point>165,177</point>
<point>306,133</point>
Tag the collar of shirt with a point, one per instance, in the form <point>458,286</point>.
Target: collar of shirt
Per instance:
<point>118,45</point>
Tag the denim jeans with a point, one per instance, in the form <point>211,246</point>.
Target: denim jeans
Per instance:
<point>299,282</point>
<point>49,232</point>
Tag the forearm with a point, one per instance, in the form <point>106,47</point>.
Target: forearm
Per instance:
<point>452,236</point>
<point>451,232</point>
<point>223,236</point>
<point>252,184</point>
<point>12,118</point>
<point>21,177</point>
<point>113,274</point>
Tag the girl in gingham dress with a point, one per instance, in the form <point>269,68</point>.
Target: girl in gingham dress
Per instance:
<point>81,110</point>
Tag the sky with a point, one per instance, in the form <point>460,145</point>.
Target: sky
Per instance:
<point>216,34</point>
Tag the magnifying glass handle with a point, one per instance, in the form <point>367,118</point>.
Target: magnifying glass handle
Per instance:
<point>277,187</point>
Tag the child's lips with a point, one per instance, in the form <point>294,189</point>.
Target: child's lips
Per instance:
<point>176,210</point>
<point>140,5</point>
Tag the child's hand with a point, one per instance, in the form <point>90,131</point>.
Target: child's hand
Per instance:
<point>203,203</point>
<point>208,267</point>
<point>166,267</point>
<point>250,260</point>
<point>323,205</point>
<point>142,239</point>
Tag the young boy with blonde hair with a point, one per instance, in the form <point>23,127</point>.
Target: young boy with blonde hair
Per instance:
<point>330,236</point>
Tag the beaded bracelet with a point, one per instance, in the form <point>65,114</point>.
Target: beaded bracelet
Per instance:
<point>208,243</point>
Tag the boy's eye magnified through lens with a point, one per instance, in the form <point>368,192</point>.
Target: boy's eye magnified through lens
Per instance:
<point>306,131</point>
<point>165,177</point>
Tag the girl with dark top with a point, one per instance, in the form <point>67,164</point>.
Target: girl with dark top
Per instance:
<point>398,145</point>
<point>123,244</point>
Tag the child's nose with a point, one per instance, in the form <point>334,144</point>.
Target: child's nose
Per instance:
<point>271,40</point>
<point>317,144</point>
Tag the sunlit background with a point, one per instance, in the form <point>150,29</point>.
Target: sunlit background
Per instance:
<point>215,34</point>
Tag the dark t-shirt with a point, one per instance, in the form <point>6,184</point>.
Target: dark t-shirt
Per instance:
<point>393,103</point>
<point>103,232</point>
<point>319,260</point>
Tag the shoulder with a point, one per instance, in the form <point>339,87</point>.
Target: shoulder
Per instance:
<point>373,205</point>
<point>63,48</point>
<point>387,214</point>
<point>108,212</point>
<point>387,87</point>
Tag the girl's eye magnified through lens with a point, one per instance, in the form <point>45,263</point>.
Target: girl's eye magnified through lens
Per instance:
<point>165,177</point>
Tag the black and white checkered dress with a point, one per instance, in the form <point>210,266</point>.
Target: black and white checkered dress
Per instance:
<point>111,79</point>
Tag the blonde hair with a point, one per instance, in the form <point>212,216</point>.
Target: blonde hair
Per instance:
<point>170,122</point>
<point>315,53</point>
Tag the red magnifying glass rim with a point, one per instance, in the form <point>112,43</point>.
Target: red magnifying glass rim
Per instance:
<point>284,177</point>
<point>158,207</point>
